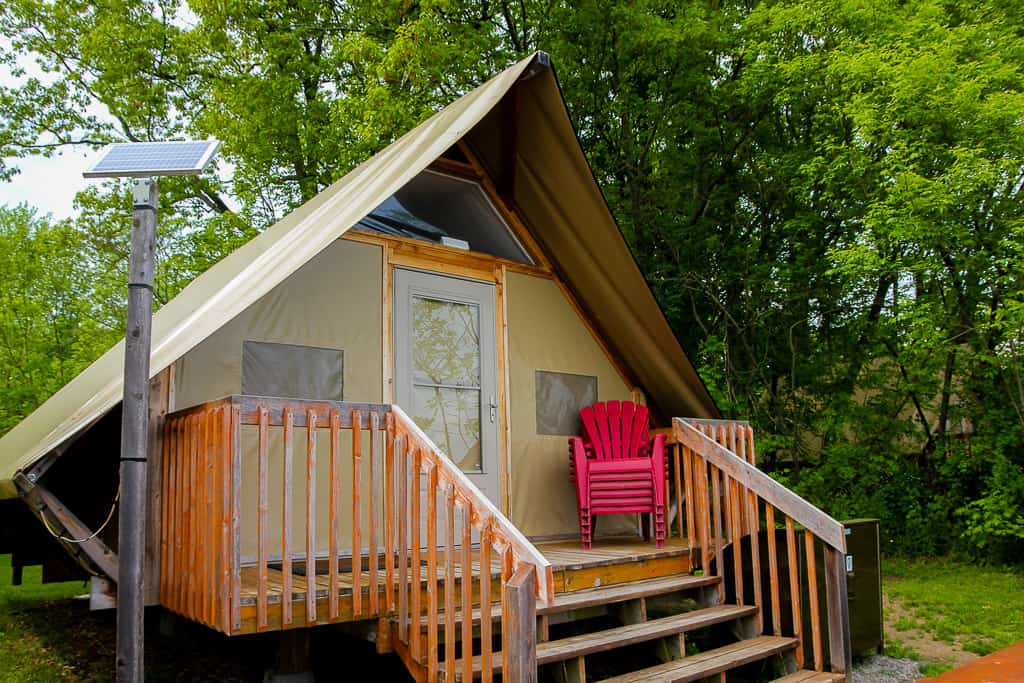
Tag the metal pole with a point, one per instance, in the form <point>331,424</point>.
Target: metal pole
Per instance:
<point>134,434</point>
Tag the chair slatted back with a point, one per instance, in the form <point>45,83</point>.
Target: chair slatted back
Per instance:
<point>616,429</point>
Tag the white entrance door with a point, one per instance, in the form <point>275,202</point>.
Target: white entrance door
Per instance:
<point>446,368</point>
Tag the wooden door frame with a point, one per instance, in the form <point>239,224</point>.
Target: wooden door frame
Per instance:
<point>443,286</point>
<point>419,256</point>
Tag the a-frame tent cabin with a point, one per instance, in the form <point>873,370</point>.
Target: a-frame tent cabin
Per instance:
<point>439,315</point>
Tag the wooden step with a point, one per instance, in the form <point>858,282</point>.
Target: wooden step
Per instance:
<point>600,641</point>
<point>621,592</point>
<point>606,595</point>
<point>805,676</point>
<point>704,664</point>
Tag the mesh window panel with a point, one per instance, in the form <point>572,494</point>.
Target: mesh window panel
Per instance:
<point>560,396</point>
<point>292,371</point>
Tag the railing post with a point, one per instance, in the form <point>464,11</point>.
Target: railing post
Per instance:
<point>840,656</point>
<point>521,623</point>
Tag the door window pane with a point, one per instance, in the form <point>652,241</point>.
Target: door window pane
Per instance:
<point>451,418</point>
<point>446,342</point>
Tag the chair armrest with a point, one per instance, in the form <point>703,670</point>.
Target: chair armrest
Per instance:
<point>658,465</point>
<point>581,465</point>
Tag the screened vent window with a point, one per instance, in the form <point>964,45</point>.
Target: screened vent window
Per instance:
<point>560,397</point>
<point>433,206</point>
<point>292,371</point>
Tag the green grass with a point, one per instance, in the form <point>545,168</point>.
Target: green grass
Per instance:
<point>46,635</point>
<point>979,608</point>
<point>894,647</point>
<point>35,621</point>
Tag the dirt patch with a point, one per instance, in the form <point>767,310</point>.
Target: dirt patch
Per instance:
<point>921,642</point>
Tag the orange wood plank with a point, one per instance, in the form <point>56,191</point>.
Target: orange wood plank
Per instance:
<point>432,572</point>
<point>389,513</point>
<point>311,425</point>
<point>372,507</point>
<point>680,511</point>
<point>466,568</point>
<point>194,514</point>
<point>717,503</point>
<point>357,488</point>
<point>794,591</point>
<point>403,541</point>
<point>286,516</point>
<point>812,590</point>
<point>449,579</point>
<point>225,522</point>
<point>165,504</point>
<point>416,540</point>
<point>261,535</point>
<point>236,517</point>
<point>487,675</point>
<point>335,464</point>
<point>735,498</point>
<point>1003,665</point>
<point>773,570</point>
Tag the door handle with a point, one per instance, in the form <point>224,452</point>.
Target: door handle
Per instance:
<point>494,410</point>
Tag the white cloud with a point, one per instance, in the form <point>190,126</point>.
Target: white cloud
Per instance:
<point>50,184</point>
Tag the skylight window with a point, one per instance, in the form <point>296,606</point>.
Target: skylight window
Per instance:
<point>434,205</point>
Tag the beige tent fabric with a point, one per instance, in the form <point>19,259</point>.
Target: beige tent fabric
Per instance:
<point>247,274</point>
<point>334,301</point>
<point>546,333</point>
<point>555,192</point>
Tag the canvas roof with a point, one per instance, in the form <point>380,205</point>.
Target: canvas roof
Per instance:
<point>573,224</point>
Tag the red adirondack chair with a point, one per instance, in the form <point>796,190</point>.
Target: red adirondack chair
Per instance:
<point>617,467</point>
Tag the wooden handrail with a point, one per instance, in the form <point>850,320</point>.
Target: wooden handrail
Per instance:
<point>504,555</point>
<point>820,523</point>
<point>720,481</point>
<point>507,532</point>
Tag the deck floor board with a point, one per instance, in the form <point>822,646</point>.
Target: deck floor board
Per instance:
<point>563,555</point>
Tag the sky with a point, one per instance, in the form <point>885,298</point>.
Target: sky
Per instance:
<point>49,184</point>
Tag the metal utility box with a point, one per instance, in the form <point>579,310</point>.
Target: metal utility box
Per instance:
<point>864,584</point>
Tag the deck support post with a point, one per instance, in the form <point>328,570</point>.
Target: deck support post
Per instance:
<point>131,524</point>
<point>521,622</point>
<point>293,651</point>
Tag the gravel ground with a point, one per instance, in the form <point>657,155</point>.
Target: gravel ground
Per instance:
<point>882,669</point>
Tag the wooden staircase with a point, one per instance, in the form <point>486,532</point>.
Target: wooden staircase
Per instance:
<point>710,607</point>
<point>637,630</point>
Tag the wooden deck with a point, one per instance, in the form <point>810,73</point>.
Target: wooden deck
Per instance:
<point>607,562</point>
<point>1004,666</point>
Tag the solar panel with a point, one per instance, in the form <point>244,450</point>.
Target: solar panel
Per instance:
<point>144,159</point>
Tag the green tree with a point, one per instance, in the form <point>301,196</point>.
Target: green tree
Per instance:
<point>824,196</point>
<point>48,331</point>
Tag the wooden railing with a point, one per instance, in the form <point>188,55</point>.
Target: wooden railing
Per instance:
<point>724,496</point>
<point>423,543</point>
<point>505,559</point>
<point>198,549</point>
